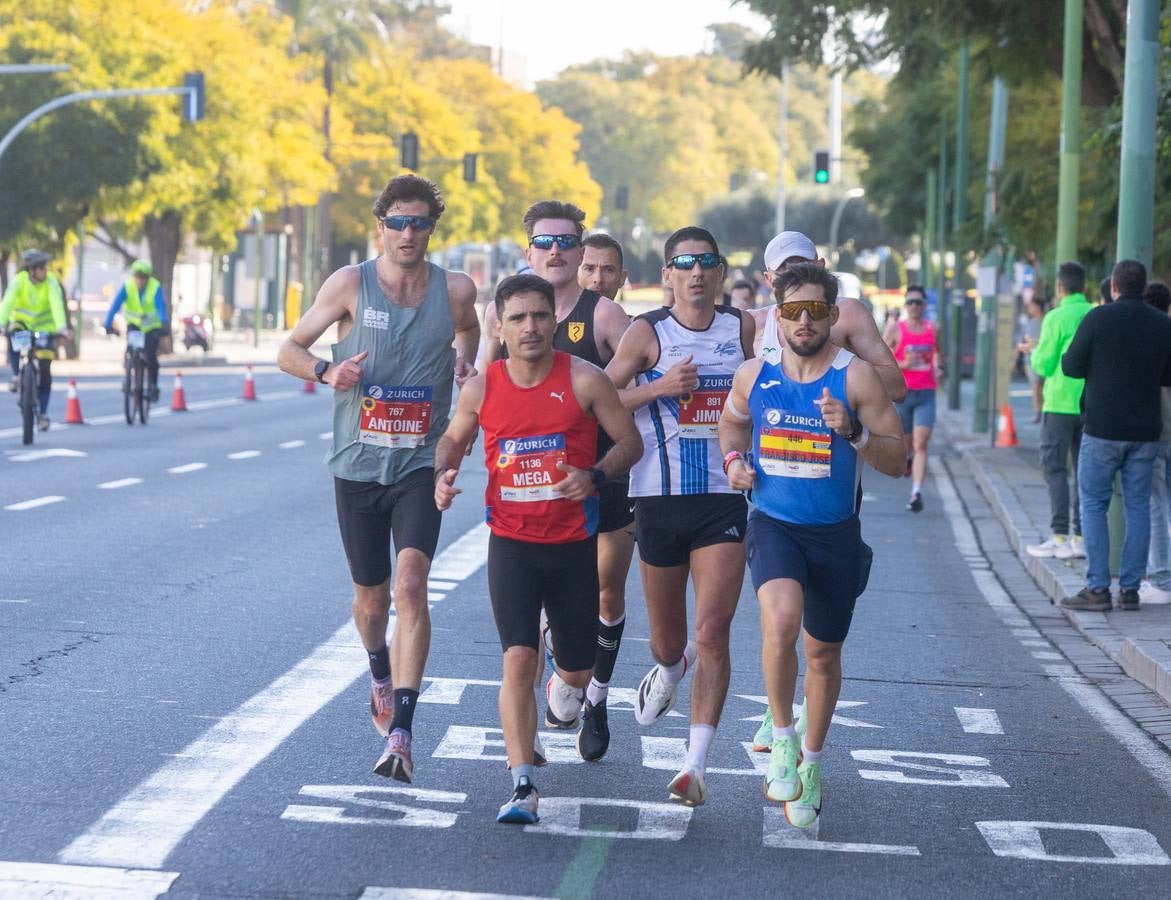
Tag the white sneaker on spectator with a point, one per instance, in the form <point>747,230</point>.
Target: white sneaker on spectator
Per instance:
<point>1148,593</point>
<point>1077,547</point>
<point>1057,545</point>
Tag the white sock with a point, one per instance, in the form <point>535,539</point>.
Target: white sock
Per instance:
<point>673,674</point>
<point>810,755</point>
<point>697,746</point>
<point>596,692</point>
<point>787,731</point>
<point>916,488</point>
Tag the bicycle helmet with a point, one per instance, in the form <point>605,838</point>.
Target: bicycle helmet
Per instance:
<point>30,259</point>
<point>141,267</point>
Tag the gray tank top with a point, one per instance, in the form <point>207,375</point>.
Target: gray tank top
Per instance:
<point>388,426</point>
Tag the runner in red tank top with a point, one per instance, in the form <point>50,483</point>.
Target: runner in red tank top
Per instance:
<point>540,411</point>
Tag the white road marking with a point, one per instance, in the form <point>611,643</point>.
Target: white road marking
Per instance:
<point>1046,654</point>
<point>441,585</point>
<point>150,821</point>
<point>967,776</point>
<point>385,799</point>
<point>473,742</point>
<point>655,822</point>
<point>189,467</point>
<point>979,721</point>
<point>326,435</point>
<point>290,445</point>
<point>668,754</point>
<point>463,557</point>
<point>33,504</point>
<point>780,835</point>
<point>33,881</point>
<point>1022,840</point>
<point>244,454</point>
<point>120,483</point>
<point>449,691</point>
<point>7,600</point>
<point>393,893</point>
<point>1151,755</point>
<point>51,453</point>
<point>844,721</point>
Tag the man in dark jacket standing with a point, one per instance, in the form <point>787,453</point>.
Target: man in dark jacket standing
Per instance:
<point>1123,351</point>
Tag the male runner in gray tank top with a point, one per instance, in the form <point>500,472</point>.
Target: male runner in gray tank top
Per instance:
<point>407,330</point>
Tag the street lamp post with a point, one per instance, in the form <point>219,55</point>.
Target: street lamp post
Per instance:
<point>258,221</point>
<point>851,194</point>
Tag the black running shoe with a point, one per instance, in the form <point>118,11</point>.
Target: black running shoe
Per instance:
<point>594,738</point>
<point>553,722</point>
<point>916,503</point>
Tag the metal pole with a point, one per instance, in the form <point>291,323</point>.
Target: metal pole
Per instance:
<point>959,219</point>
<point>990,264</point>
<point>927,244</point>
<point>944,302</point>
<point>782,148</point>
<point>835,128</point>
<point>1071,133</point>
<point>837,220</point>
<point>32,68</point>
<point>259,218</point>
<point>1136,190</point>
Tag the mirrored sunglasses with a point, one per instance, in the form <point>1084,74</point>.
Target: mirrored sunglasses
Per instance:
<point>546,241</point>
<point>688,261</point>
<point>817,309</point>
<point>400,223</point>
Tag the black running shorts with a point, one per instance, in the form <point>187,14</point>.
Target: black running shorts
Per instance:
<point>523,577</point>
<point>830,561</point>
<point>667,529</point>
<point>615,507</point>
<point>369,514</point>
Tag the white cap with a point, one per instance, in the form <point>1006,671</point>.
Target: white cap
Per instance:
<point>786,245</point>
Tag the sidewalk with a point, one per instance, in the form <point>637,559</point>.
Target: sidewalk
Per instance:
<point>102,354</point>
<point>1012,482</point>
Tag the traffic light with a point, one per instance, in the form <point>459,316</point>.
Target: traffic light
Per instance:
<point>408,146</point>
<point>195,98</point>
<point>469,167</point>
<point>621,197</point>
<point>821,166</point>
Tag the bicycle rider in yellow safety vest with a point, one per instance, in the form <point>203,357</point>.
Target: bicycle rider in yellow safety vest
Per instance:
<point>34,300</point>
<point>144,307</point>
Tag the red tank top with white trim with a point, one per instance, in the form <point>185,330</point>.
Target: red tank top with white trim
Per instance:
<point>527,431</point>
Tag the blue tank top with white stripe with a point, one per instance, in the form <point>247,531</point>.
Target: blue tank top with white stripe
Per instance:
<point>806,474</point>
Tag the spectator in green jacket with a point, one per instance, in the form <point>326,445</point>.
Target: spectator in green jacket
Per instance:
<point>1061,422</point>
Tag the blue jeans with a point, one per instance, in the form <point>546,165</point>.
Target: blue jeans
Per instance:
<point>1100,460</point>
<point>1159,566</point>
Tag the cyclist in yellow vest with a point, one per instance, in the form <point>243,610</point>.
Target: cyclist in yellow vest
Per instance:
<point>144,307</point>
<point>34,301</point>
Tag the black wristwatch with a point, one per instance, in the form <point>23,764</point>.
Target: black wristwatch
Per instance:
<point>320,369</point>
<point>598,477</point>
<point>855,431</point>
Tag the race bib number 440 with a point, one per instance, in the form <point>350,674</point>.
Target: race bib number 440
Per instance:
<point>394,415</point>
<point>793,446</point>
<point>528,467</point>
<point>699,411</point>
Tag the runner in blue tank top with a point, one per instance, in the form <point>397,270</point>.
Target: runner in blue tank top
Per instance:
<point>407,330</point>
<point>795,433</point>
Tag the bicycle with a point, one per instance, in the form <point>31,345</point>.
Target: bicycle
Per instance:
<point>26,344</point>
<point>135,393</point>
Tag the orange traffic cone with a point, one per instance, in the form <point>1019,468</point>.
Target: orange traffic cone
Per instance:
<point>178,396</point>
<point>1006,428</point>
<point>310,387</point>
<point>249,384</point>
<point>73,406</point>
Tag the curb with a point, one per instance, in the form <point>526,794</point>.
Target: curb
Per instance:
<point>1147,662</point>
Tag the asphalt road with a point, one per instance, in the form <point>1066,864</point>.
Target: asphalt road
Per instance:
<point>184,705</point>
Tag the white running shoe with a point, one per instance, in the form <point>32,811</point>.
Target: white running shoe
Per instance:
<point>1057,546</point>
<point>564,702</point>
<point>688,788</point>
<point>1148,593</point>
<point>1077,547</point>
<point>656,698</point>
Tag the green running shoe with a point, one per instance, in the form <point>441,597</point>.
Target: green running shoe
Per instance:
<point>763,741</point>
<point>803,812</point>
<point>781,784</point>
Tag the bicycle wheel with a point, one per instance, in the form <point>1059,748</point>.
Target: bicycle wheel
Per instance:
<point>28,400</point>
<point>127,395</point>
<point>143,393</point>
<point>139,390</point>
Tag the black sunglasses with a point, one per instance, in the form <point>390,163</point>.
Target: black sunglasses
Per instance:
<point>914,301</point>
<point>400,223</point>
<point>688,261</point>
<point>546,241</point>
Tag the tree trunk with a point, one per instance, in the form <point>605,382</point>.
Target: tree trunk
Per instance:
<point>163,235</point>
<point>1103,53</point>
